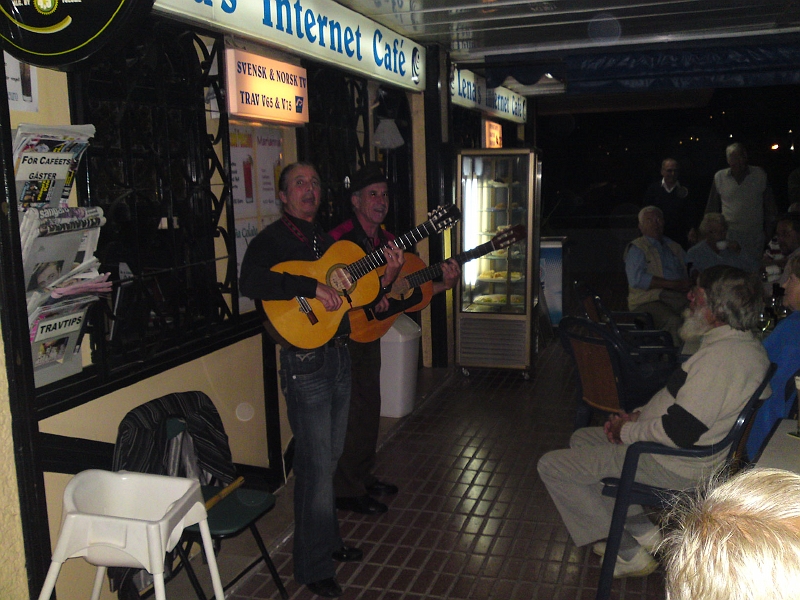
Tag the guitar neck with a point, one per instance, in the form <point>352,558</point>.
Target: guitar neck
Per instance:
<point>376,259</point>
<point>417,278</point>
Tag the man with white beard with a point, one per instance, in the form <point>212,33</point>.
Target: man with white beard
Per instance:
<point>698,406</point>
<point>695,323</point>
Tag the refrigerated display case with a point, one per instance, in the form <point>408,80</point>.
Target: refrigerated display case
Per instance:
<point>499,291</point>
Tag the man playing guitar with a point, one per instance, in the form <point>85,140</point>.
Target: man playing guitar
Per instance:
<point>354,483</point>
<point>316,381</point>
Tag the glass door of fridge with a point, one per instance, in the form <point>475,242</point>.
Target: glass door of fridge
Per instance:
<point>495,195</point>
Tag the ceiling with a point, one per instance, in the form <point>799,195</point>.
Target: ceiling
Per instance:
<point>524,39</point>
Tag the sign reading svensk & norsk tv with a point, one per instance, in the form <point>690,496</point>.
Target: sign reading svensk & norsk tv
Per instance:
<point>263,88</point>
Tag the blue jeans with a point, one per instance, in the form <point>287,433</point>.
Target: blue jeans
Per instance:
<point>354,472</point>
<point>316,384</point>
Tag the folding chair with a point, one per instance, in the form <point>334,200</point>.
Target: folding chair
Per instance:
<point>182,435</point>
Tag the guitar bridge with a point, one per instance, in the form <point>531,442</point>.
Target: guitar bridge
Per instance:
<point>306,309</point>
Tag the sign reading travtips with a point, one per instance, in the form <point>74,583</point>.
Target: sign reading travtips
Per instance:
<point>319,29</point>
<point>57,33</point>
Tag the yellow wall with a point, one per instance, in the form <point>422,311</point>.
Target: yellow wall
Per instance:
<point>13,575</point>
<point>231,377</point>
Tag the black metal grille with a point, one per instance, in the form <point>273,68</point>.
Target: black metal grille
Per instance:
<point>159,168</point>
<point>336,138</point>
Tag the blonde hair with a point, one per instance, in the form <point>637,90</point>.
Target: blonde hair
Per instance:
<point>739,539</point>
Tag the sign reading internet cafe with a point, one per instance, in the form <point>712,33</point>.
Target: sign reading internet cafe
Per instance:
<point>321,30</point>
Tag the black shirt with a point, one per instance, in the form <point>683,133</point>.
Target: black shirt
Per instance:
<point>277,244</point>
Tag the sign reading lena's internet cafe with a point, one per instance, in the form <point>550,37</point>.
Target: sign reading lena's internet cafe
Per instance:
<point>262,88</point>
<point>58,33</point>
<point>469,90</point>
<point>318,29</point>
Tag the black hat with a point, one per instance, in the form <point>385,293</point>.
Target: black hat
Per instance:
<point>367,175</point>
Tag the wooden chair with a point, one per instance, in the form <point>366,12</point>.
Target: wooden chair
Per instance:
<point>609,379</point>
<point>635,329</point>
<point>628,491</point>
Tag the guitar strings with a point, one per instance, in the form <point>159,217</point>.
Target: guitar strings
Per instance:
<point>376,259</point>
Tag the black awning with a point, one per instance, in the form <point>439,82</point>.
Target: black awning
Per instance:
<point>666,69</point>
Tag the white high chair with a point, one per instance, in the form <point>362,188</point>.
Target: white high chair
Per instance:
<point>125,519</point>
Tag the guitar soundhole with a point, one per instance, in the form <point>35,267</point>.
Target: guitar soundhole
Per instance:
<point>340,280</point>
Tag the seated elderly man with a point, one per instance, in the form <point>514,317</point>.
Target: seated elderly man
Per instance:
<point>656,270</point>
<point>785,241</point>
<point>715,249</point>
<point>699,405</point>
<point>788,232</point>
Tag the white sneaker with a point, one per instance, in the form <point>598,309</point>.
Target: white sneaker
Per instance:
<point>641,565</point>
<point>648,541</point>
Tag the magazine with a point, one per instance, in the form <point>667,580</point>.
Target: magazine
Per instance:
<point>53,246</point>
<point>58,244</point>
<point>83,279</point>
<point>55,335</point>
<point>46,160</point>
<point>48,258</point>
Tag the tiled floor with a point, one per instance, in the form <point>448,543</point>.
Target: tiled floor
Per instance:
<point>472,520</point>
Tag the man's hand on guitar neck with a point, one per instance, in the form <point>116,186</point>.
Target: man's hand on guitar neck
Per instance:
<point>451,272</point>
<point>395,259</point>
<point>329,297</point>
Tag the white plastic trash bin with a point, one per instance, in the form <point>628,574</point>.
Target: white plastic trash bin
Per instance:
<point>399,355</point>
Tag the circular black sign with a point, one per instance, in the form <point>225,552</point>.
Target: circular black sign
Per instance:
<point>57,33</point>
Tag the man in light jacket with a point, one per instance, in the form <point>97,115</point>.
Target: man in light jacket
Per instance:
<point>698,406</point>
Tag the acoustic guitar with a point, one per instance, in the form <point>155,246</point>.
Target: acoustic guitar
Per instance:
<point>413,289</point>
<point>304,322</point>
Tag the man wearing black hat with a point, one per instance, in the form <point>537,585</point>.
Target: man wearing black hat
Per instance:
<point>316,381</point>
<point>353,482</point>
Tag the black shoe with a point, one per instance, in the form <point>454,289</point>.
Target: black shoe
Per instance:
<point>381,488</point>
<point>348,554</point>
<point>362,504</point>
<point>329,588</point>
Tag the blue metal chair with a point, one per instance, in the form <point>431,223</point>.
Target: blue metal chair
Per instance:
<point>628,491</point>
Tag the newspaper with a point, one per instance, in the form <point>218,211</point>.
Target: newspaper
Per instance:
<point>48,258</point>
<point>58,255</point>
<point>83,279</point>
<point>52,245</point>
<point>58,244</point>
<point>46,160</point>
